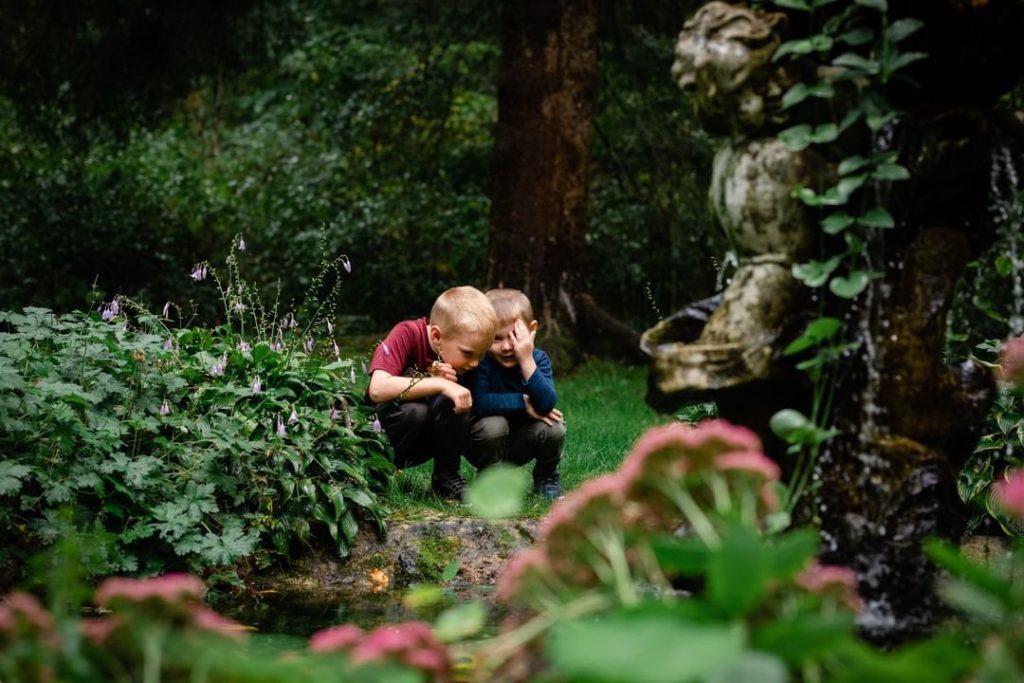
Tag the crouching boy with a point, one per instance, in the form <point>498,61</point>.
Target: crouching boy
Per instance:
<point>515,418</point>
<point>414,374</point>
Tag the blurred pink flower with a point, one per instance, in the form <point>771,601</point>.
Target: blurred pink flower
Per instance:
<point>208,620</point>
<point>167,588</point>
<point>23,608</point>
<point>96,631</point>
<point>412,643</point>
<point>336,638</point>
<point>831,581</point>
<point>525,570</point>
<point>596,500</point>
<point>1011,361</point>
<point>749,462</point>
<point>1010,494</point>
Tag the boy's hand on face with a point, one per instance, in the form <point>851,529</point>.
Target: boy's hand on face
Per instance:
<point>522,341</point>
<point>444,370</point>
<point>554,416</point>
<point>459,395</point>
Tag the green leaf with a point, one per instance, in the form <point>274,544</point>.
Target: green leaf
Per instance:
<point>738,571</point>
<point>687,556</point>
<point>801,5</point>
<point>890,172</point>
<point>450,570</point>
<point>642,647</point>
<point>826,132</point>
<point>877,217</point>
<point>851,286</point>
<point>498,492</point>
<point>835,223</point>
<point>752,667</point>
<point>880,5</point>
<point>901,28</point>
<point>877,121</point>
<point>852,163</point>
<point>848,185</point>
<point>231,545</point>
<point>854,61</point>
<point>1004,265</point>
<point>795,95</point>
<point>789,553</point>
<point>461,622</point>
<point>796,138</point>
<point>787,422</point>
<point>11,475</point>
<point>857,36</point>
<point>905,59</point>
<point>804,637</point>
<point>815,273</point>
<point>818,330</point>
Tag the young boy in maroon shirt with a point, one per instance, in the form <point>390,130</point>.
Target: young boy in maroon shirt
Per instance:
<point>414,374</point>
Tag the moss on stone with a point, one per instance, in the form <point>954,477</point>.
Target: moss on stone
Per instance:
<point>436,553</point>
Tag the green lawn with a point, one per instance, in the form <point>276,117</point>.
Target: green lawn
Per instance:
<point>603,404</point>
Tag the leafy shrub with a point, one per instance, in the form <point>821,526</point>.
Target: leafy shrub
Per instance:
<point>194,446</point>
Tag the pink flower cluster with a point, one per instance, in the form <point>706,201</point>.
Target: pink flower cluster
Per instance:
<point>831,582</point>
<point>1010,494</point>
<point>635,498</point>
<point>1011,361</point>
<point>172,596</point>
<point>20,614</point>
<point>412,644</point>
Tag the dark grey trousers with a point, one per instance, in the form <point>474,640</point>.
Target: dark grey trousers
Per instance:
<point>516,440</point>
<point>428,429</point>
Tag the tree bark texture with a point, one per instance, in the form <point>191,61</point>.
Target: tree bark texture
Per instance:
<point>546,89</point>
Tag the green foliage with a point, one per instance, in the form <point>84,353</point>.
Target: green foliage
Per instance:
<point>160,438</point>
<point>860,46</point>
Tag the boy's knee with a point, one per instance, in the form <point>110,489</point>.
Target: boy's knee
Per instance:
<point>552,433</point>
<point>489,428</point>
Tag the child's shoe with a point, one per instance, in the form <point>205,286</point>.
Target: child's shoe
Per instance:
<point>448,486</point>
<point>549,486</point>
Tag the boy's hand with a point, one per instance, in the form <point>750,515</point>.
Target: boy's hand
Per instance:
<point>459,395</point>
<point>444,370</point>
<point>522,341</point>
<point>551,418</point>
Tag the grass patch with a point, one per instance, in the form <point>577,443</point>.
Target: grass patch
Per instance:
<point>605,413</point>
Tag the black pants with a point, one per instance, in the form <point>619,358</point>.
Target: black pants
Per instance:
<point>517,440</point>
<point>428,429</point>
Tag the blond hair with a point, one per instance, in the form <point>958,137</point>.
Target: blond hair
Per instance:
<point>510,305</point>
<point>464,310</point>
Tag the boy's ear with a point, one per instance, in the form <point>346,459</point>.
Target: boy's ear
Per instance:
<point>434,333</point>
<point>533,326</point>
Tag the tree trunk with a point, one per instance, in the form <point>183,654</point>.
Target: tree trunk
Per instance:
<point>546,87</point>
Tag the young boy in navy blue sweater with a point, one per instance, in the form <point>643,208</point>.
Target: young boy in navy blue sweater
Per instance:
<point>514,415</point>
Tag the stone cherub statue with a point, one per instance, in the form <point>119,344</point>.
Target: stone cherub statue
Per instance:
<point>723,56</point>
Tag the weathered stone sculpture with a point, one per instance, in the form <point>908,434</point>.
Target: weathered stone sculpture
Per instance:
<point>907,419</point>
<point>724,56</point>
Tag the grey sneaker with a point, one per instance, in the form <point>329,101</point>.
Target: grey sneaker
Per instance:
<point>549,486</point>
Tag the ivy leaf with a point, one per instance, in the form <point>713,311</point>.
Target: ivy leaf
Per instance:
<point>801,5</point>
<point>11,474</point>
<point>796,137</point>
<point>851,286</point>
<point>877,121</point>
<point>877,217</point>
<point>826,132</point>
<point>852,163</point>
<point>815,273</point>
<point>880,5</point>
<point>890,172</point>
<point>818,331</point>
<point>835,223</point>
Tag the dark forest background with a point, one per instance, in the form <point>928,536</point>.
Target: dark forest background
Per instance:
<point>138,138</point>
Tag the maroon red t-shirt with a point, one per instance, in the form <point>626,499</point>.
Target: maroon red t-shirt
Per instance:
<point>405,351</point>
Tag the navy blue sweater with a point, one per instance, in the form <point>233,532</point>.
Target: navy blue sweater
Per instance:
<point>499,391</point>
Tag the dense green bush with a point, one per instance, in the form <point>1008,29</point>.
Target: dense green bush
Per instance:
<point>191,447</point>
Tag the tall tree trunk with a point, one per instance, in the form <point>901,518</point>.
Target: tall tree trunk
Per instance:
<point>546,87</point>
